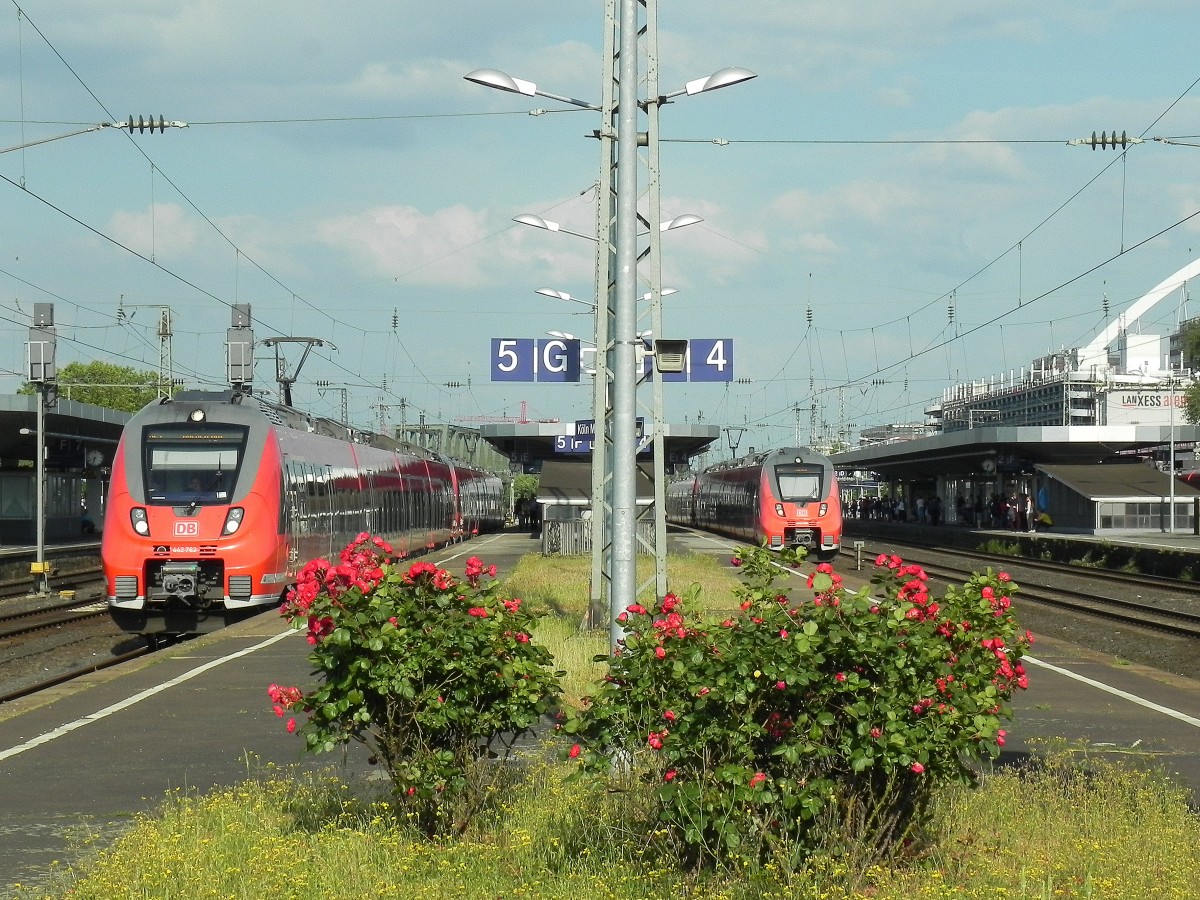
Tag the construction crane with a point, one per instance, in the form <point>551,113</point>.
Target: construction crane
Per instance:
<point>523,419</point>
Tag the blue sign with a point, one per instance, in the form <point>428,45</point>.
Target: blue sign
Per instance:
<point>585,443</point>
<point>710,359</point>
<point>587,427</point>
<point>557,360</point>
<point>540,359</point>
<point>565,443</point>
<point>707,359</point>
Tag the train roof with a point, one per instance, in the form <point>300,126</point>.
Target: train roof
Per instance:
<point>760,457</point>
<point>298,420</point>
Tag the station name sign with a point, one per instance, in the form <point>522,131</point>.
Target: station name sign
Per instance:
<point>558,360</point>
<point>584,438</point>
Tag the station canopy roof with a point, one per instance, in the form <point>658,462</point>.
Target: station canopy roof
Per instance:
<point>1112,481</point>
<point>78,435</point>
<point>983,451</point>
<point>570,484</point>
<point>536,442</point>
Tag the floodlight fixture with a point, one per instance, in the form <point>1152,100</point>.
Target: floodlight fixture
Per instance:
<point>717,80</point>
<point>502,81</point>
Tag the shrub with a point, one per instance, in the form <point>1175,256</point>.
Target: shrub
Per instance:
<point>427,671</point>
<point>791,727</point>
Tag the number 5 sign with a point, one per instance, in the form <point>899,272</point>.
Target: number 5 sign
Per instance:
<point>528,359</point>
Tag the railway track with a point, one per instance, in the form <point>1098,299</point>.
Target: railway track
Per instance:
<point>62,634</point>
<point>73,673</point>
<point>13,589</point>
<point>1162,604</point>
<point>55,615</point>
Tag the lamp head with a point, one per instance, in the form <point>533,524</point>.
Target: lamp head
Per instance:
<point>535,221</point>
<point>501,81</point>
<point>719,79</point>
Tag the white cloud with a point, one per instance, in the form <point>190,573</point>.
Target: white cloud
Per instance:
<point>162,231</point>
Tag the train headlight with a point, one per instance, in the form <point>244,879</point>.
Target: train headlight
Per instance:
<point>137,516</point>
<point>824,509</point>
<point>233,520</point>
<point>779,509</point>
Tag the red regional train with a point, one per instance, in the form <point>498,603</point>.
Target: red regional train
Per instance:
<point>217,499</point>
<point>783,498</point>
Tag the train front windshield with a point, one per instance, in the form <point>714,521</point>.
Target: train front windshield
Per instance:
<point>799,483</point>
<point>192,464</point>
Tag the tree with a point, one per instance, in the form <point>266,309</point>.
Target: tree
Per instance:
<point>1189,336</point>
<point>525,486</point>
<point>1191,403</point>
<point>104,384</point>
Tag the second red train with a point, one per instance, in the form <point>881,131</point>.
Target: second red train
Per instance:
<point>781,498</point>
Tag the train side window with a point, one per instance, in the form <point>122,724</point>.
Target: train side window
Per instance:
<point>285,505</point>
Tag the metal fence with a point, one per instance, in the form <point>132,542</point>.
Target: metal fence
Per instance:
<point>573,537</point>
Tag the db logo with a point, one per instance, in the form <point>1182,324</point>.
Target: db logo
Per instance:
<point>187,529</point>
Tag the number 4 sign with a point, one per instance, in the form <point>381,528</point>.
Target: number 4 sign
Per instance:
<point>707,359</point>
<point>711,359</point>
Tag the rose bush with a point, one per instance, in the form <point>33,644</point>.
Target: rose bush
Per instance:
<point>428,671</point>
<point>788,727</point>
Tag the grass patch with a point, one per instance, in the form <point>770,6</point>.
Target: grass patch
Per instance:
<point>1070,828</point>
<point>561,584</point>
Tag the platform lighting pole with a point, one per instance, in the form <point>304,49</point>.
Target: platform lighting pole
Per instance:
<point>623,589</point>
<point>653,190</point>
<point>617,270</point>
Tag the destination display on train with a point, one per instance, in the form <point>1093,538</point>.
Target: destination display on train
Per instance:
<point>560,360</point>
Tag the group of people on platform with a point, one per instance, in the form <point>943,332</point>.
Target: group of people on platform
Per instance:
<point>1014,512</point>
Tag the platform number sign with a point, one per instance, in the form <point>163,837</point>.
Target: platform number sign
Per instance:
<point>707,359</point>
<point>710,359</point>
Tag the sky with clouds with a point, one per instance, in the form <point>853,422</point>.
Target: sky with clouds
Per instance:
<point>890,207</point>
